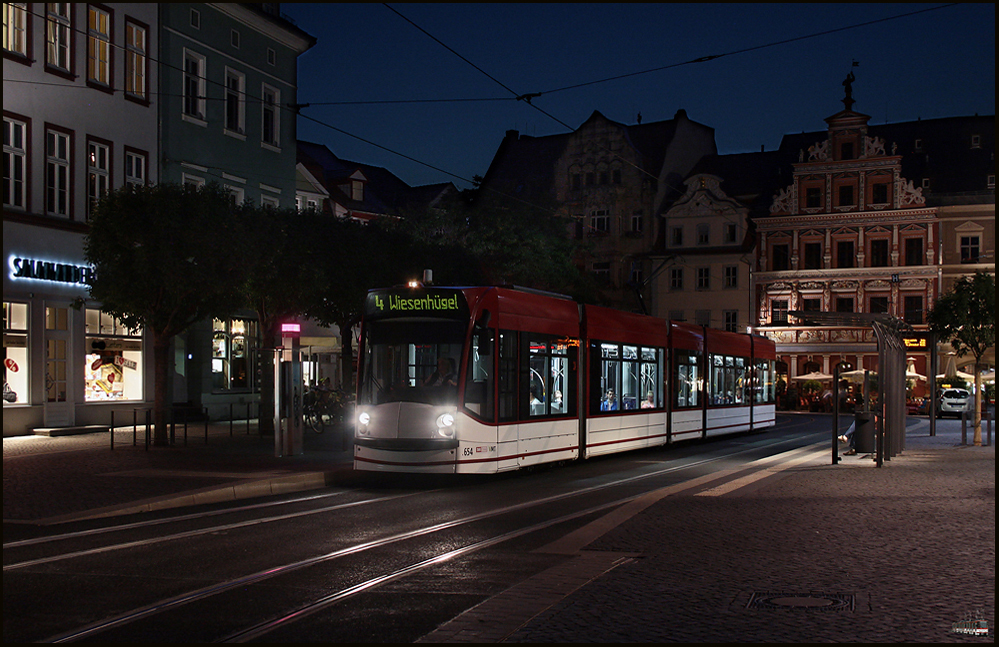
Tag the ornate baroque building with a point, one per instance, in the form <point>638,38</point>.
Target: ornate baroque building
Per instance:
<point>854,233</point>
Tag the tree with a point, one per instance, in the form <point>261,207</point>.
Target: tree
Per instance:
<point>280,281</point>
<point>966,318</point>
<point>160,263</point>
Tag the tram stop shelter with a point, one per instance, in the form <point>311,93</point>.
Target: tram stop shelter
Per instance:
<point>890,410</point>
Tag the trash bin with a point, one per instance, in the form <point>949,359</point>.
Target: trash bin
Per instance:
<point>863,433</point>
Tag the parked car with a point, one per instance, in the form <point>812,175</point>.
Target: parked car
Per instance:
<point>954,402</point>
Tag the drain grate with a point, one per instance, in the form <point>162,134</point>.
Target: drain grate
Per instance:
<point>796,600</point>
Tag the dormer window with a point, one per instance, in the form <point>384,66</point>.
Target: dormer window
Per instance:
<point>846,151</point>
<point>976,141</point>
<point>357,190</point>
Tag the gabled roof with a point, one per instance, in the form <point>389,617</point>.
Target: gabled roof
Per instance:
<point>384,193</point>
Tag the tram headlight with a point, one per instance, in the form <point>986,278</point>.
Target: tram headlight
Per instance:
<point>445,425</point>
<point>363,419</point>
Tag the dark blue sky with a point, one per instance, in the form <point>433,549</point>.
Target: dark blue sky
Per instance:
<point>937,63</point>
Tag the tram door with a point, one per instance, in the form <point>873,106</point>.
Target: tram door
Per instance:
<point>58,409</point>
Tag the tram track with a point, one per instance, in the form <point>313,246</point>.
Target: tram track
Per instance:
<point>365,583</point>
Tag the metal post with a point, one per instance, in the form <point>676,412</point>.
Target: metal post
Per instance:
<point>964,427</point>
<point>148,434</point>
<point>112,429</point>
<point>205,411</point>
<point>230,419</point>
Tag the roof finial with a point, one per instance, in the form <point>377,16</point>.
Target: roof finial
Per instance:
<point>848,84</point>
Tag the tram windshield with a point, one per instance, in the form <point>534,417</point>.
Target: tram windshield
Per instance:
<point>411,361</point>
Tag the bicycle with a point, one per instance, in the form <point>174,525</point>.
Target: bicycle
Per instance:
<point>323,408</point>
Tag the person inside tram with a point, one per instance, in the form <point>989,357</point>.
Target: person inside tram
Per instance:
<point>609,402</point>
<point>648,402</point>
<point>444,375</point>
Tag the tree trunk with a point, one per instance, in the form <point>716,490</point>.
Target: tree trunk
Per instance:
<point>162,372</point>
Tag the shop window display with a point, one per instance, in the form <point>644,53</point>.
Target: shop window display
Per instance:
<point>234,354</point>
<point>114,359</point>
<point>15,353</point>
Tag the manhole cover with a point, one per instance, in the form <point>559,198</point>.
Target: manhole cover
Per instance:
<point>796,600</point>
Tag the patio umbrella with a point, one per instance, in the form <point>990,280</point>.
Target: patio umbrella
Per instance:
<point>856,376</point>
<point>814,375</point>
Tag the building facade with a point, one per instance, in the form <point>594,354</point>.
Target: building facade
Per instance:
<point>610,182</point>
<point>867,226</point>
<point>80,118</point>
<point>100,95</point>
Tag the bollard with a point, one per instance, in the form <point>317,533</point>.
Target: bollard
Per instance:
<point>964,427</point>
<point>112,429</point>
<point>247,418</point>
<point>205,411</point>
<point>148,431</point>
<point>230,419</point>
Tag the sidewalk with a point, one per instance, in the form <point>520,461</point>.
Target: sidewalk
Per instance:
<point>57,479</point>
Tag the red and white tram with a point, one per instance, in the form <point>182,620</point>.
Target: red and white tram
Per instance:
<point>491,379</point>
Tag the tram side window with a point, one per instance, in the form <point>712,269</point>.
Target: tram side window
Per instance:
<point>728,379</point>
<point>551,390</point>
<point>687,379</point>
<point>629,377</point>
<point>763,388</point>
<point>479,382</point>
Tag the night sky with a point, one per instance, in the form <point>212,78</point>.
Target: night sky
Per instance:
<point>429,90</point>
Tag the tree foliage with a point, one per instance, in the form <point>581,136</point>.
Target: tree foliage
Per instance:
<point>159,264</point>
<point>965,317</point>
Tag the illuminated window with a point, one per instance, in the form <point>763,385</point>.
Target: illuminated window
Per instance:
<point>58,26</point>
<point>98,172</point>
<point>135,60</point>
<point>15,353</point>
<point>234,354</point>
<point>113,368</point>
<point>15,28</point>
<point>98,46</point>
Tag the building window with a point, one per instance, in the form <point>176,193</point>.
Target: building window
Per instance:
<point>845,254</point>
<point>676,237</point>
<point>15,28</point>
<point>846,151</point>
<point>846,198</point>
<point>703,234</point>
<point>234,38</point>
<point>113,369</point>
<point>235,101</point>
<point>811,305</point>
<point>98,46</point>
<point>135,168</point>
<point>703,278</point>
<point>271,125</point>
<point>135,61</point>
<point>98,172</point>
<point>879,305</point>
<point>844,304</point>
<point>879,253</point>
<point>676,279</point>
<point>702,317</point>
<point>976,141</point>
<point>357,190</point>
<point>731,320</point>
<point>15,163</point>
<point>731,276</point>
<point>913,314</point>
<point>637,222</point>
<point>780,258</point>
<point>879,194</point>
<point>813,198</point>
<point>969,249</point>
<point>601,272</point>
<point>600,222</point>
<point>195,19</point>
<point>778,312</point>
<point>58,34</point>
<point>271,57</point>
<point>15,353</point>
<point>731,232</point>
<point>677,315</point>
<point>914,251</point>
<point>57,173</point>
<point>194,85</point>
<point>616,176</point>
<point>234,354</point>
<point>813,256</point>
